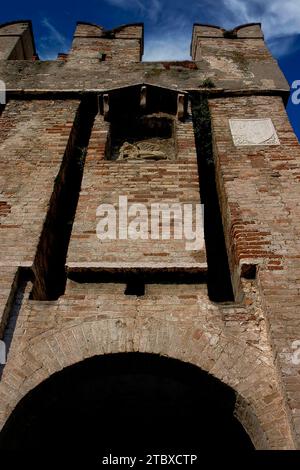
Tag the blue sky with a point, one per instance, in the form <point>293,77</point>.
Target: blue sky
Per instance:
<point>168,25</point>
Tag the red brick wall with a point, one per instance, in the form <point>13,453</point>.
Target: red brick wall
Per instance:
<point>124,45</point>
<point>33,138</point>
<point>142,182</point>
<point>16,41</point>
<point>259,194</point>
<point>236,61</point>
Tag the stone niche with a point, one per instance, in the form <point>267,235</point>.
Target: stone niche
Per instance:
<point>142,123</point>
<point>146,137</point>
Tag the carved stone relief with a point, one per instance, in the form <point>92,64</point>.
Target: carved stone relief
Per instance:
<point>253,132</point>
<point>141,150</point>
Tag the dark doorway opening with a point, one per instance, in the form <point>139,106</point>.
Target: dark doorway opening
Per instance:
<point>134,402</point>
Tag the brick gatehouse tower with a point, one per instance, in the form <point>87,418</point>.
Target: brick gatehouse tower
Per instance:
<point>138,337</point>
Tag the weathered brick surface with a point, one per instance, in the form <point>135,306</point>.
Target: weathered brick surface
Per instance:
<point>243,60</point>
<point>259,194</point>
<point>141,182</point>
<point>237,64</point>
<point>33,139</point>
<point>248,343</point>
<point>16,41</point>
<point>90,42</point>
<point>177,321</point>
<point>7,291</point>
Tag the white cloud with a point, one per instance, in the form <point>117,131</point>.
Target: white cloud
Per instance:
<point>282,45</point>
<point>54,34</point>
<point>52,42</point>
<point>149,8</point>
<point>168,47</point>
<point>127,4</point>
<point>172,36</point>
<point>170,24</point>
<point>280,19</point>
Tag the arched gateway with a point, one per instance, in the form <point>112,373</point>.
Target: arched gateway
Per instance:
<point>128,401</point>
<point>130,360</point>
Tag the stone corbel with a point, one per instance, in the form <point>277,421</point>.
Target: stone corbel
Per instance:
<point>106,106</point>
<point>180,106</point>
<point>143,97</point>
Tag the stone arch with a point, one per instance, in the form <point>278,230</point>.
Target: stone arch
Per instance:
<point>126,400</point>
<point>252,379</point>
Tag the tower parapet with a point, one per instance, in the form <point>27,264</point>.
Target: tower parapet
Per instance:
<point>238,58</point>
<point>204,34</point>
<point>16,40</point>
<point>123,44</point>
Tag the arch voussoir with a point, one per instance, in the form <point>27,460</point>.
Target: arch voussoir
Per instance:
<point>211,351</point>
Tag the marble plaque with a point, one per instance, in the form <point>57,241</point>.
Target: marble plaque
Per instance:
<point>253,132</point>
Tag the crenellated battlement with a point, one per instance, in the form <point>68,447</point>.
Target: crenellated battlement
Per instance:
<point>235,61</point>
<point>17,41</point>
<point>122,44</point>
<point>202,33</point>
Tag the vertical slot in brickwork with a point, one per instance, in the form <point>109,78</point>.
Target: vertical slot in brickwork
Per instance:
<point>49,265</point>
<point>218,277</point>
